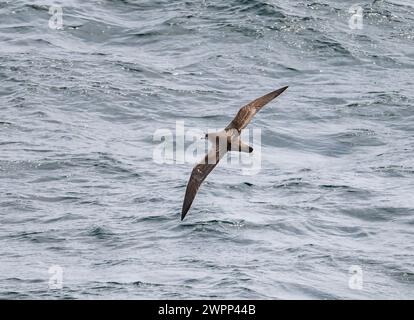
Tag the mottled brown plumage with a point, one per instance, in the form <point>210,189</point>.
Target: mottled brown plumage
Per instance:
<point>224,141</point>
<point>246,113</point>
<point>199,173</point>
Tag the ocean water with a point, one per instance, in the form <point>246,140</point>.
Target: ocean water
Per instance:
<point>87,213</point>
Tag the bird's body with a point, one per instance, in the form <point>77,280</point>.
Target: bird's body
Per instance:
<point>230,137</point>
<point>223,141</point>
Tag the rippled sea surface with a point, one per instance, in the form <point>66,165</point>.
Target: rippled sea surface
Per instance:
<point>79,187</point>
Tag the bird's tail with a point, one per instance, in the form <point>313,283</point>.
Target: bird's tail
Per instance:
<point>244,147</point>
<point>240,146</point>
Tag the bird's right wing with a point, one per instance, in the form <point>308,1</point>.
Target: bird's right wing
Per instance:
<point>246,113</point>
<point>200,173</point>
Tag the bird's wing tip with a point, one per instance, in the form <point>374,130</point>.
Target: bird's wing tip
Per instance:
<point>183,214</point>
<point>279,91</point>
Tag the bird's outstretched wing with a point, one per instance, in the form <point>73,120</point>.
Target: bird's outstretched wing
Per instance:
<point>246,113</point>
<point>200,173</point>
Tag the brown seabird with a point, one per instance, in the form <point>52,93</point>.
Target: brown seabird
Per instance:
<point>223,141</point>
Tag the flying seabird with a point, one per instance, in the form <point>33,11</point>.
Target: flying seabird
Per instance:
<point>223,141</point>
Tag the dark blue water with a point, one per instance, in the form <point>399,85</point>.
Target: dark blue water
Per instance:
<point>79,187</point>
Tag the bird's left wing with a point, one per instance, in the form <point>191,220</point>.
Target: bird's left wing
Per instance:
<point>200,173</point>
